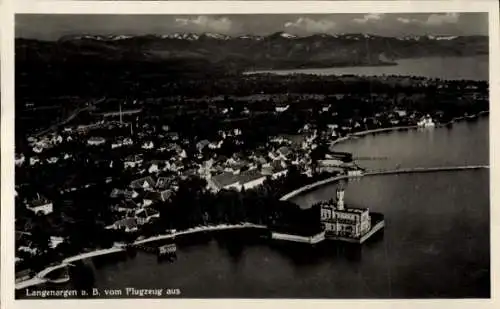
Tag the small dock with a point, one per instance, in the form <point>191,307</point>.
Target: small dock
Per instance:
<point>169,249</point>
<point>300,239</point>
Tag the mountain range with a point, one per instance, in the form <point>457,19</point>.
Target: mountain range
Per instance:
<point>279,50</point>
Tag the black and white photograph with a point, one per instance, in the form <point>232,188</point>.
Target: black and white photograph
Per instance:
<point>255,156</point>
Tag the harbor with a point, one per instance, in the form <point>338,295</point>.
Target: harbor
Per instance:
<point>408,210</point>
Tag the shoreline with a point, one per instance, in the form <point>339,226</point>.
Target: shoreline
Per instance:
<point>39,278</point>
<point>273,70</point>
<point>402,128</point>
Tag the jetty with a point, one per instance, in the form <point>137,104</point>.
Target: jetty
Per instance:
<point>300,239</point>
<point>320,183</point>
<point>425,170</point>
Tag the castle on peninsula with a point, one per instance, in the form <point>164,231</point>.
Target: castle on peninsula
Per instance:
<point>341,221</point>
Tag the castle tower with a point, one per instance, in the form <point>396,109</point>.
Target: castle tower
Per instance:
<point>340,199</point>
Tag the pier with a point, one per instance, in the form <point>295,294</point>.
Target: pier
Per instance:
<point>320,183</point>
<point>425,170</point>
<point>300,239</point>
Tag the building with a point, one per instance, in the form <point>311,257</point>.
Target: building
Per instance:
<point>341,221</point>
<point>426,122</point>
<point>133,161</point>
<point>202,144</point>
<point>284,152</point>
<point>40,205</point>
<point>129,224</point>
<point>145,183</point>
<point>281,107</point>
<point>250,179</point>
<point>156,197</point>
<point>96,141</point>
<point>401,112</point>
<point>148,145</point>
<point>354,173</point>
<point>225,180</point>
<point>19,159</point>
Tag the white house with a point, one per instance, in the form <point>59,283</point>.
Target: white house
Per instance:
<point>282,108</point>
<point>37,149</point>
<point>116,144</point>
<point>148,145</point>
<point>133,162</point>
<point>426,122</point>
<point>55,241</point>
<point>96,141</point>
<point>182,153</point>
<point>52,160</point>
<point>216,145</point>
<point>401,113</point>
<point>153,168</point>
<point>127,141</point>
<point>57,139</point>
<point>354,173</point>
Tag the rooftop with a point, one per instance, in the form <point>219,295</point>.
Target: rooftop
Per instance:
<point>224,179</point>
<point>249,175</point>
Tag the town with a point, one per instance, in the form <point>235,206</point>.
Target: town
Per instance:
<point>126,168</point>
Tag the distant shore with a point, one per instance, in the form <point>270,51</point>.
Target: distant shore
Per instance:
<point>337,66</point>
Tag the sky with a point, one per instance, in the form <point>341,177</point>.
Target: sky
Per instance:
<point>51,27</point>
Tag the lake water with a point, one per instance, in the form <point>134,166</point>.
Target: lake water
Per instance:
<point>457,145</point>
<point>435,244</point>
<point>471,68</point>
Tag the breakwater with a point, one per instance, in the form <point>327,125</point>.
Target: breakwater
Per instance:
<point>314,185</point>
<point>380,172</point>
<point>425,170</point>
